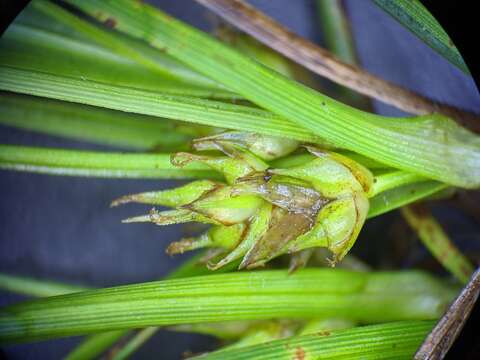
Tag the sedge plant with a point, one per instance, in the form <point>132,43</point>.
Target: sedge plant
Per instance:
<point>284,176</point>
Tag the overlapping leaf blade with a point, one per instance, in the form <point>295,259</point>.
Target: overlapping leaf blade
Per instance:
<point>429,145</point>
<point>201,111</point>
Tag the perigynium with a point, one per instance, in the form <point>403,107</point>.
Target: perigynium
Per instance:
<point>263,212</point>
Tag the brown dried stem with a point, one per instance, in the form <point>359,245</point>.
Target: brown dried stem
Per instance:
<point>324,63</point>
<point>437,344</point>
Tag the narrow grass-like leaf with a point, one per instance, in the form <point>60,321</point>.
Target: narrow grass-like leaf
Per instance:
<point>43,288</point>
<point>190,268</point>
<point>201,111</point>
<point>52,18</point>
<point>94,345</point>
<point>403,195</point>
<point>338,39</point>
<point>91,347</point>
<point>133,344</point>
<point>93,124</point>
<point>360,296</point>
<point>416,18</point>
<point>98,164</point>
<point>336,29</point>
<point>32,287</point>
<point>32,48</point>
<point>430,145</point>
<point>324,63</point>
<point>438,242</point>
<point>393,179</point>
<point>397,340</point>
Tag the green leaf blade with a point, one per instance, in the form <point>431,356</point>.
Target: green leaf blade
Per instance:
<point>31,287</point>
<point>403,195</point>
<point>98,164</point>
<point>416,18</point>
<point>417,144</point>
<point>52,18</point>
<point>393,341</point>
<point>40,50</point>
<point>88,123</point>
<point>366,297</point>
<point>200,111</point>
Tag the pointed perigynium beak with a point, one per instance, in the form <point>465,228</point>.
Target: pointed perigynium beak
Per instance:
<point>261,213</point>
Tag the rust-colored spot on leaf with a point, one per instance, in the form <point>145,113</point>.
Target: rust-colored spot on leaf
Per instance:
<point>299,354</point>
<point>110,22</point>
<point>323,333</point>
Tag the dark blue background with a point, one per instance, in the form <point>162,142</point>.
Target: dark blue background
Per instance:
<point>61,228</point>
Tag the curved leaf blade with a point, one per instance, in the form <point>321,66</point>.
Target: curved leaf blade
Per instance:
<point>416,18</point>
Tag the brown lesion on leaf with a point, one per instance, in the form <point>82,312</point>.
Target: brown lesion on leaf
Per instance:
<point>324,333</point>
<point>110,22</point>
<point>299,354</point>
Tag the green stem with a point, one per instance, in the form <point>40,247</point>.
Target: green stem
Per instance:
<point>438,242</point>
<point>338,39</point>
<point>393,179</point>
